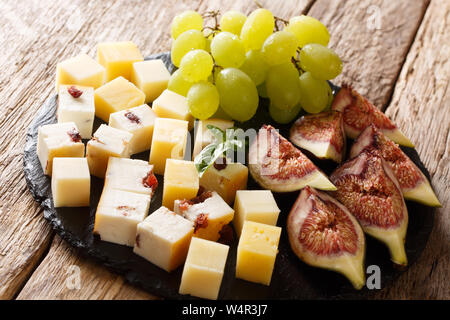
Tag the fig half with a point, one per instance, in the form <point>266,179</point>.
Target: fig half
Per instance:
<point>277,165</point>
<point>359,113</point>
<point>321,134</point>
<point>323,233</point>
<point>414,185</point>
<point>367,186</point>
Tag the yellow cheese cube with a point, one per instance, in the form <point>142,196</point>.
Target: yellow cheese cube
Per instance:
<point>139,122</point>
<point>118,58</point>
<point>80,70</point>
<point>225,181</point>
<point>180,181</point>
<point>163,239</point>
<point>203,135</point>
<point>116,95</point>
<point>151,77</point>
<point>257,251</point>
<point>203,270</point>
<point>173,105</point>
<point>168,142</point>
<point>255,205</point>
<point>71,182</point>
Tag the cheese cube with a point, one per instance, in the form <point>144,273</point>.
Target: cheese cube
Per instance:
<point>151,76</point>
<point>139,122</point>
<point>225,181</point>
<point>255,205</point>
<point>180,181</point>
<point>58,140</point>
<point>118,58</point>
<point>130,175</point>
<point>204,268</point>
<point>169,141</point>
<point>80,70</point>
<point>106,142</point>
<point>117,95</point>
<point>71,182</point>
<point>208,212</point>
<point>163,239</point>
<point>80,110</point>
<point>118,214</point>
<point>203,135</point>
<point>257,251</point>
<point>173,105</point>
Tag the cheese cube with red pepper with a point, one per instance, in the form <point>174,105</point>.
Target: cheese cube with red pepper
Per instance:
<point>203,135</point>
<point>173,105</point>
<point>151,77</point>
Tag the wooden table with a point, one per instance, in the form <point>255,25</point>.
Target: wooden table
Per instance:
<point>397,52</point>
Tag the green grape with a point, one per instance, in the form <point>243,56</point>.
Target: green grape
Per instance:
<point>178,84</point>
<point>228,50</point>
<point>308,30</point>
<point>255,66</point>
<point>313,93</point>
<point>323,63</point>
<point>188,20</point>
<point>283,84</point>
<point>196,65</point>
<point>238,94</point>
<point>187,41</point>
<point>232,21</point>
<point>203,100</point>
<point>330,98</point>
<point>220,114</point>
<point>279,47</point>
<point>284,116</point>
<point>262,91</point>
<point>258,26</point>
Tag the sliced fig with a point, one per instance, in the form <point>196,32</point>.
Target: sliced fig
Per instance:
<point>323,233</point>
<point>277,165</point>
<point>414,185</point>
<point>359,113</point>
<point>367,186</point>
<point>321,134</point>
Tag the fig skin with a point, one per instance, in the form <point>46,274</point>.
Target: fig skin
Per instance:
<point>323,233</point>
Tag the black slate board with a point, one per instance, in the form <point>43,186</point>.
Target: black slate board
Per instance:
<point>292,279</point>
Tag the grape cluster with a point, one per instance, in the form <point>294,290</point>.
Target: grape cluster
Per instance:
<point>240,59</point>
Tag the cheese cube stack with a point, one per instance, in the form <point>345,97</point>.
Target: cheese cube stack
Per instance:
<point>173,105</point>
<point>226,181</point>
<point>71,182</point>
<point>106,142</point>
<point>203,135</point>
<point>204,268</point>
<point>257,251</point>
<point>80,70</point>
<point>255,205</point>
<point>117,95</point>
<point>151,76</point>
<point>163,239</point>
<point>208,212</point>
<point>118,214</point>
<point>80,110</point>
<point>180,181</point>
<point>168,142</point>
<point>58,140</point>
<point>139,121</point>
<point>118,58</point>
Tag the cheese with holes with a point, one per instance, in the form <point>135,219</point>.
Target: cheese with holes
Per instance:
<point>203,135</point>
<point>80,70</point>
<point>163,239</point>
<point>204,268</point>
<point>173,105</point>
<point>257,251</point>
<point>180,181</point>
<point>71,182</point>
<point>151,77</point>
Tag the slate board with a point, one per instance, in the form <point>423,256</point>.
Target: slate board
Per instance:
<point>292,279</point>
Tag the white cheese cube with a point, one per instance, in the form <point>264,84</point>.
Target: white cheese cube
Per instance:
<point>80,110</point>
<point>174,106</point>
<point>203,135</point>
<point>151,77</point>
<point>163,239</point>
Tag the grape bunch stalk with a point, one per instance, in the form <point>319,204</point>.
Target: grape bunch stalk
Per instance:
<point>239,59</point>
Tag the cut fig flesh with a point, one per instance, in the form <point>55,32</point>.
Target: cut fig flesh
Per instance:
<point>414,185</point>
<point>323,233</point>
<point>321,134</point>
<point>359,113</point>
<point>368,188</point>
<point>277,165</point>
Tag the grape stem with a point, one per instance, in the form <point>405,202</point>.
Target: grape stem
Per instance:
<point>212,14</point>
